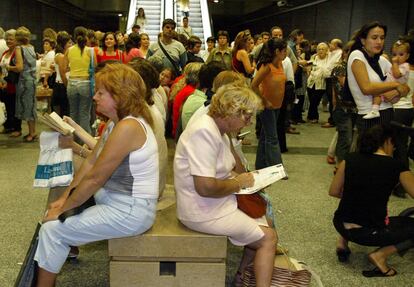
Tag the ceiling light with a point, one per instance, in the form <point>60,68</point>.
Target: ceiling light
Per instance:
<point>119,15</point>
<point>216,1</point>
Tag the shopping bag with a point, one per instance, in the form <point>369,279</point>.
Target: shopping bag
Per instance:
<point>3,113</point>
<point>287,271</point>
<point>55,166</point>
<point>28,272</point>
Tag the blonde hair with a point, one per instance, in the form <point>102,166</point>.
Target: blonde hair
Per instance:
<point>191,71</point>
<point>228,77</point>
<point>127,89</point>
<point>23,35</point>
<point>181,83</point>
<point>233,100</point>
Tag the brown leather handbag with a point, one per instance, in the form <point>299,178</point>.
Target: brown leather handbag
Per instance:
<point>252,204</point>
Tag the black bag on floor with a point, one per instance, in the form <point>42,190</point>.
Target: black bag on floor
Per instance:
<point>28,272</point>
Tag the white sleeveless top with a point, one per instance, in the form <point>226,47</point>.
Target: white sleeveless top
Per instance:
<point>138,173</point>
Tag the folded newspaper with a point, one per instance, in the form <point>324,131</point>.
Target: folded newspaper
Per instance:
<point>265,177</point>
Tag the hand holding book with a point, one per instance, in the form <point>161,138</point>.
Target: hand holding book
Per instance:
<point>265,177</point>
<point>55,122</point>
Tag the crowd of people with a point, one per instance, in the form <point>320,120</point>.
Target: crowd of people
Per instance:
<point>145,92</point>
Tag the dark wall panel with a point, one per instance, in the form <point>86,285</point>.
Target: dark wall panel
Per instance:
<point>37,16</point>
<point>334,19</point>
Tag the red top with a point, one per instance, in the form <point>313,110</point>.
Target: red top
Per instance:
<point>238,66</point>
<point>178,102</point>
<point>133,53</point>
<point>11,88</point>
<point>118,56</point>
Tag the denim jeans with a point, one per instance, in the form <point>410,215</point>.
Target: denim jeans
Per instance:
<point>268,149</point>
<point>115,215</point>
<point>403,116</point>
<point>80,103</point>
<point>344,122</point>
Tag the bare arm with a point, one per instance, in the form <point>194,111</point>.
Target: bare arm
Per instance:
<point>407,181</point>
<point>337,185</point>
<point>367,87</point>
<point>244,58</point>
<point>127,136</point>
<point>62,62</point>
<point>216,188</point>
<point>395,69</point>
<point>259,77</point>
<point>89,140</point>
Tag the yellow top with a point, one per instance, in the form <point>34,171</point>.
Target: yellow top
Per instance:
<point>79,63</point>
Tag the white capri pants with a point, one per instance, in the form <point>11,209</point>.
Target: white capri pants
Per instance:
<point>114,215</point>
<point>241,229</point>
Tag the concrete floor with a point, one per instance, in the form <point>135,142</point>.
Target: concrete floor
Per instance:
<point>302,207</point>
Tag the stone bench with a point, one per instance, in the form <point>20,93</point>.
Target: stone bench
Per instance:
<point>169,254</point>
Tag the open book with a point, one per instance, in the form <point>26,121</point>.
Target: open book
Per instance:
<point>265,177</point>
<point>55,122</point>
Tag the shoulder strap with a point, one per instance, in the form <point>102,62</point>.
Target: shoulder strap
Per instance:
<point>92,54</point>
<point>177,70</point>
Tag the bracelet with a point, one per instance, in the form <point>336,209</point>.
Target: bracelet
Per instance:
<point>81,151</point>
<point>238,183</point>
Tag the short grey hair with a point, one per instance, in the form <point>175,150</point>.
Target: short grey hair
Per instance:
<point>191,71</point>
<point>1,33</point>
<point>11,32</point>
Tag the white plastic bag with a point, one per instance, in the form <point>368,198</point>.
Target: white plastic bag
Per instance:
<point>3,113</point>
<point>55,166</point>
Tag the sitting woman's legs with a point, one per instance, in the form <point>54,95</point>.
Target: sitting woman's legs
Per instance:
<point>264,257</point>
<point>114,216</point>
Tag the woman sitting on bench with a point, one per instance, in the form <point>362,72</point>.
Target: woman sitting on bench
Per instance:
<point>121,173</point>
<point>208,173</point>
<point>364,182</point>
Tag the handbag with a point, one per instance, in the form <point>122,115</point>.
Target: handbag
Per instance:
<point>77,210</point>
<point>286,272</point>
<point>252,204</point>
<point>42,92</point>
<point>91,71</point>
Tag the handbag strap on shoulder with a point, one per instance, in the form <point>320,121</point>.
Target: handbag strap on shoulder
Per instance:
<point>177,70</point>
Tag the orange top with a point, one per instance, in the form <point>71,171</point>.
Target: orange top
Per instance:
<point>273,87</point>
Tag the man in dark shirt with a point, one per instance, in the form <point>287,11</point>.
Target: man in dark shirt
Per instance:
<point>193,48</point>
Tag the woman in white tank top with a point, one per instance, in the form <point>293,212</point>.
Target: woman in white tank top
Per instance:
<point>122,173</point>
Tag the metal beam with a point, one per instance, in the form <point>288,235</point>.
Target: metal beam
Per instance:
<point>66,7</point>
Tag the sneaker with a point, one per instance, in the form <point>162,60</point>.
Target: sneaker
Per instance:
<point>371,115</point>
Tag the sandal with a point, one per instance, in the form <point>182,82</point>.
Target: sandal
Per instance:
<point>376,272</point>
<point>15,134</point>
<point>29,138</point>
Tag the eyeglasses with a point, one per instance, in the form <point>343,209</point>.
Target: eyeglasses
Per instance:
<point>247,117</point>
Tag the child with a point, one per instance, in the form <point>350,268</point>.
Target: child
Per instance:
<point>166,79</point>
<point>400,71</point>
